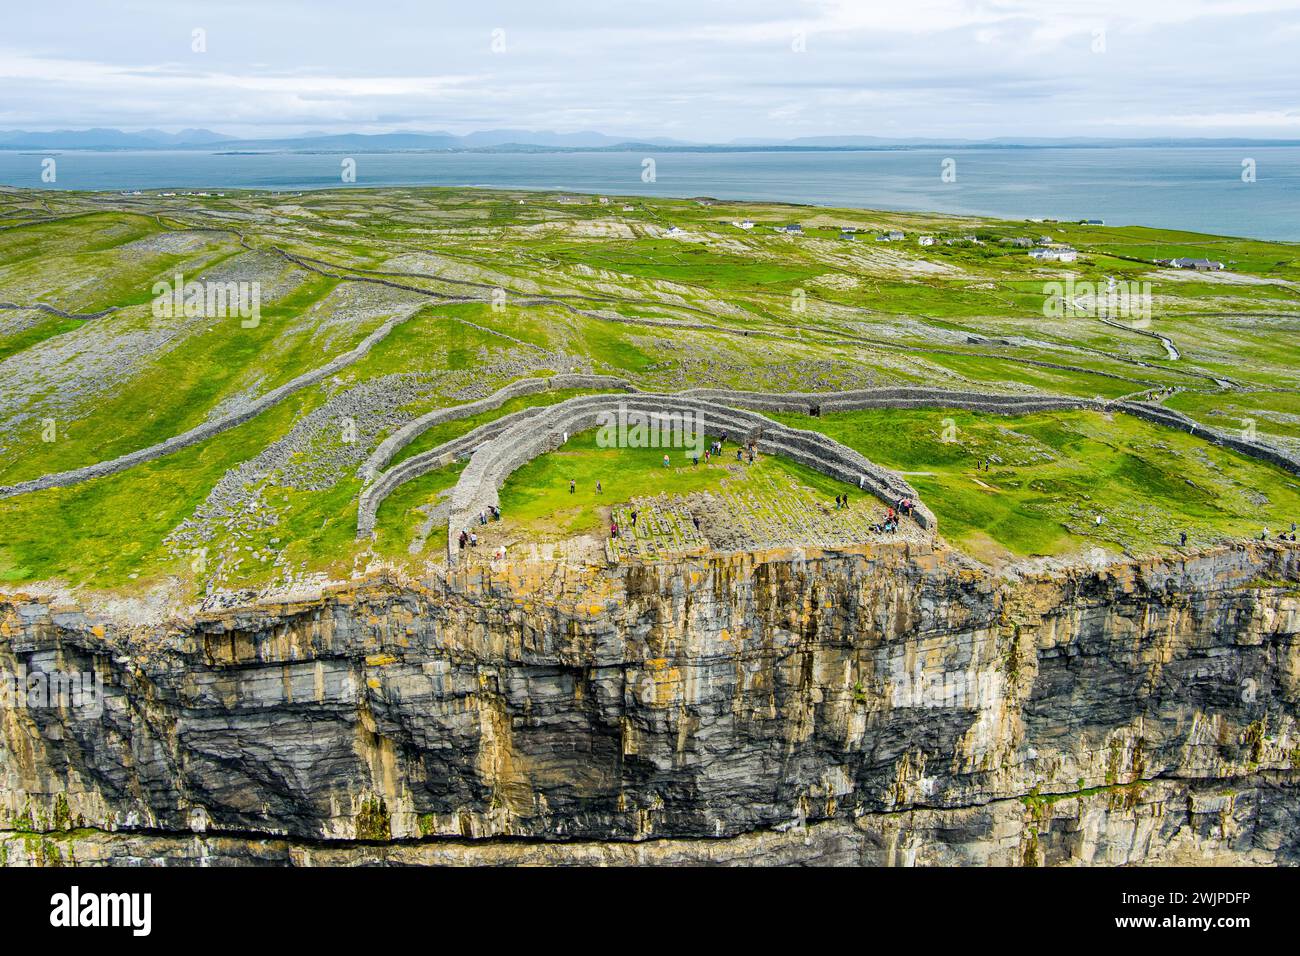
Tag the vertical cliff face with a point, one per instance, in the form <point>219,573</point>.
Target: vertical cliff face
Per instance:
<point>884,705</point>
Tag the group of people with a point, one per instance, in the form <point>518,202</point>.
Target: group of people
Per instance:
<point>841,501</point>
<point>469,539</point>
<point>904,506</point>
<point>889,525</point>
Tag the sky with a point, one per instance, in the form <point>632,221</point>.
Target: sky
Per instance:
<point>697,70</point>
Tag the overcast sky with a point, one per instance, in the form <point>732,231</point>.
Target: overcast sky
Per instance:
<point>707,70</point>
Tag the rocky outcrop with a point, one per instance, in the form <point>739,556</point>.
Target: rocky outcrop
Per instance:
<point>884,704</point>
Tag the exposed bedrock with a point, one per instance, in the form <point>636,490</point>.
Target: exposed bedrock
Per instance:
<point>884,704</point>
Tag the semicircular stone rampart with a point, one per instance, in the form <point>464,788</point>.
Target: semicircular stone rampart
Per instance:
<point>522,441</point>
<point>416,427</point>
<point>497,448</point>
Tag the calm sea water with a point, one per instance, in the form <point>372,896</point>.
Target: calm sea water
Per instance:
<point>1199,189</point>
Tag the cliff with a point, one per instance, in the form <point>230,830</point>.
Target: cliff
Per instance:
<point>888,704</point>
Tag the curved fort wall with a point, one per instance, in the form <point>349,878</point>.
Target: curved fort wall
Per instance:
<point>499,448</point>
<point>516,445</point>
<point>413,429</point>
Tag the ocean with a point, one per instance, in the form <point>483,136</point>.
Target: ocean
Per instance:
<point>1195,188</point>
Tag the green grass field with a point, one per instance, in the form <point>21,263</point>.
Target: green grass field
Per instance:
<point>1051,474</point>
<point>493,286</point>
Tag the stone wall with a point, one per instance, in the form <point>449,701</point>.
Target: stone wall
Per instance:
<point>374,494</point>
<point>518,444</point>
<point>208,429</point>
<point>413,429</point>
<point>1172,419</point>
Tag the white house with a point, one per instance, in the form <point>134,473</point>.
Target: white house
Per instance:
<point>1201,265</point>
<point>926,240</point>
<point>1054,255</point>
<point>892,236</point>
<point>744,224</point>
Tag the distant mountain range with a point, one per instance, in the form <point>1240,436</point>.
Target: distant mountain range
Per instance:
<point>520,140</point>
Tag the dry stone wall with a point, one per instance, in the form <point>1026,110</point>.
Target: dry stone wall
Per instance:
<point>399,439</point>
<point>513,447</point>
<point>208,429</point>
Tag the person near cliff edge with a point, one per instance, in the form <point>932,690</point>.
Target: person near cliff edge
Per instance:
<point>1182,539</point>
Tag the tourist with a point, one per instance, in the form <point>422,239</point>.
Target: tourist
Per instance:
<point>573,486</point>
<point>665,461</point>
<point>695,461</point>
<point>1182,539</point>
<point>613,529</point>
<point>634,514</point>
<point>695,519</point>
<point>599,489</point>
<point>473,540</point>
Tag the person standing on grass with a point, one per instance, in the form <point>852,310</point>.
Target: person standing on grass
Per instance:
<point>665,461</point>
<point>599,489</point>
<point>573,486</point>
